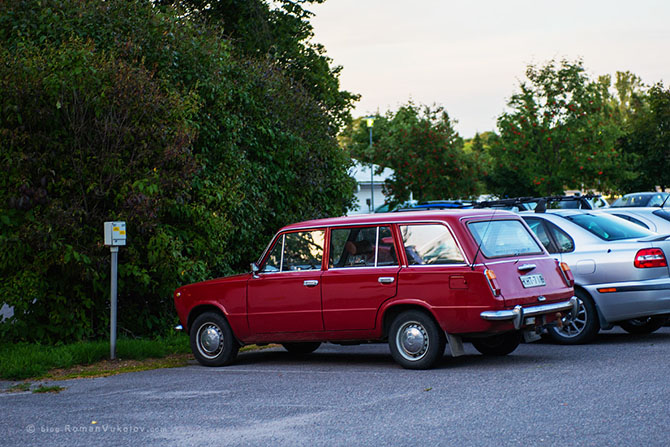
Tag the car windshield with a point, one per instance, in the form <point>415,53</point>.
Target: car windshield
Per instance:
<point>609,228</point>
<point>498,238</point>
<point>640,200</point>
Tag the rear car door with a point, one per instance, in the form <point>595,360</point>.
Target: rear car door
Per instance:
<point>362,274</point>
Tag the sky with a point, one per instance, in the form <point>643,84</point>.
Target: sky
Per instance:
<point>469,56</point>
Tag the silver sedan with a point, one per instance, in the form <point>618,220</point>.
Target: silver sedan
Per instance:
<point>654,218</point>
<point>621,271</point>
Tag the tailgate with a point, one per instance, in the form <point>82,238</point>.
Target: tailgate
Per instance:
<point>530,280</point>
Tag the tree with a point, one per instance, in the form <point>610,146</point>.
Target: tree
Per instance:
<point>133,111</point>
<point>649,140</point>
<point>424,151</point>
<point>559,133</point>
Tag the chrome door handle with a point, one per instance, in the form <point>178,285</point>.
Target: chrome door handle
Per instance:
<point>310,282</point>
<point>386,279</point>
<point>525,267</point>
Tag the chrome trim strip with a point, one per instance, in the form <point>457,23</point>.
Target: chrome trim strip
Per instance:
<point>518,314</point>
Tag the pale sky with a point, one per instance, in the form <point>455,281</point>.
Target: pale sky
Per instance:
<point>469,56</point>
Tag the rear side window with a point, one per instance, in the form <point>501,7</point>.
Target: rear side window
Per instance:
<point>501,238</point>
<point>430,244</point>
<point>362,247</point>
<point>608,228</point>
<point>553,238</point>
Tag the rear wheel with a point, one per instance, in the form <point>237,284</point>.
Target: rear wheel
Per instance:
<point>415,340</point>
<point>580,328</point>
<point>498,345</point>
<point>212,340</point>
<point>644,325</point>
<point>301,348</point>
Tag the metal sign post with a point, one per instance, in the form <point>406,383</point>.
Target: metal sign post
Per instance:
<point>115,236</point>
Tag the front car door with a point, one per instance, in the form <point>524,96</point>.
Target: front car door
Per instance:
<point>285,296</point>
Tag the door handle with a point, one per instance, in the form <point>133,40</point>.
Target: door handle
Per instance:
<point>386,279</point>
<point>310,282</point>
<point>524,267</point>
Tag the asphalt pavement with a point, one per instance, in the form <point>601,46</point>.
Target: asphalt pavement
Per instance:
<point>613,392</point>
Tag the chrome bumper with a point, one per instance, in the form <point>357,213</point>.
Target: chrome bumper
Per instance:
<point>518,314</point>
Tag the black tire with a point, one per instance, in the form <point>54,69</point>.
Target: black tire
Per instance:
<point>498,345</point>
<point>580,329</point>
<point>301,348</point>
<point>643,325</point>
<point>212,340</point>
<point>416,341</point>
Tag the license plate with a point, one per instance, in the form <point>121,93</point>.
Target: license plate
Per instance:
<point>532,281</point>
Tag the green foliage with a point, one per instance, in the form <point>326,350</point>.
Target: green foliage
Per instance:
<point>560,133</point>
<point>27,360</point>
<point>424,151</point>
<point>132,111</point>
<point>649,140</point>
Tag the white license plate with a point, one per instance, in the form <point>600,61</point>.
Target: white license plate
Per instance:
<point>532,281</point>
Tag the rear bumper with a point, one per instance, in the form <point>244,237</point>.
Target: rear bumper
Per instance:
<point>631,299</point>
<point>519,313</point>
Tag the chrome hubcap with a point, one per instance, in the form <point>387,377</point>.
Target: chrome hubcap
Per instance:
<point>412,340</point>
<point>573,325</point>
<point>210,340</point>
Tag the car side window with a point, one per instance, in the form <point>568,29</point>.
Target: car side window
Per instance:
<point>302,250</point>
<point>362,247</point>
<point>563,241</point>
<point>538,228</point>
<point>429,244</point>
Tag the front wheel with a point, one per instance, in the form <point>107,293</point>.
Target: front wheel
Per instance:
<point>498,345</point>
<point>415,340</point>
<point>580,328</point>
<point>643,325</point>
<point>212,340</point>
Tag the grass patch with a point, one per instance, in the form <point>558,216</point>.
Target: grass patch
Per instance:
<point>19,387</point>
<point>48,389</point>
<point>24,360</point>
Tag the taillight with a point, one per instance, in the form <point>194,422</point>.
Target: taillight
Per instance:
<point>568,277</point>
<point>493,282</point>
<point>650,257</point>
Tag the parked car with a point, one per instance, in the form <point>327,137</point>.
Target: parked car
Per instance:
<point>620,269</point>
<point>414,279</point>
<point>641,199</point>
<point>654,219</point>
<point>586,201</point>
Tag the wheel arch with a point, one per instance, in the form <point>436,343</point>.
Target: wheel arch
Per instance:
<point>393,310</point>
<point>201,309</point>
<point>604,324</point>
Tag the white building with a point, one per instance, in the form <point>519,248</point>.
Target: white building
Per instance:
<point>363,181</point>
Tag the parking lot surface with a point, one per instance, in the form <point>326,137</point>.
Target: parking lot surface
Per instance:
<point>613,392</point>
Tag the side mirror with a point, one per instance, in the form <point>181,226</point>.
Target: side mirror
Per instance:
<point>254,270</point>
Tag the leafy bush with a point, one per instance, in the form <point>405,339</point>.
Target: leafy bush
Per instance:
<point>131,111</point>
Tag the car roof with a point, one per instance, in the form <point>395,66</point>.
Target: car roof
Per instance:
<point>409,216</point>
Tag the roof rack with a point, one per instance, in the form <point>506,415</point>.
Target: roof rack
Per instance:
<point>540,202</point>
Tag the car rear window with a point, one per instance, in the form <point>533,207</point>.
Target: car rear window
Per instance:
<point>608,228</point>
<point>501,238</point>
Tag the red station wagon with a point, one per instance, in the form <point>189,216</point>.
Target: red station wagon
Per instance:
<point>418,280</point>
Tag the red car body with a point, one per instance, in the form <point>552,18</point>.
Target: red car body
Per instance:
<point>463,284</point>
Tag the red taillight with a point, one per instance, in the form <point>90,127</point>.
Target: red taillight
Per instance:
<point>568,277</point>
<point>493,282</point>
<point>650,257</point>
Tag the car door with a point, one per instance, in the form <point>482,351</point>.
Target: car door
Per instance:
<point>362,274</point>
<point>285,295</point>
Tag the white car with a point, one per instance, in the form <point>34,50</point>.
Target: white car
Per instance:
<point>652,218</point>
